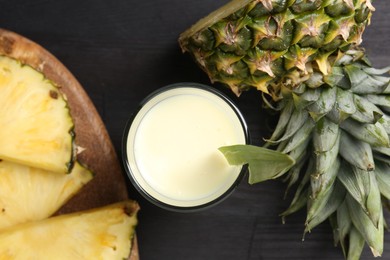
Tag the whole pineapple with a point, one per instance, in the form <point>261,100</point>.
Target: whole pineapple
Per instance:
<point>334,107</point>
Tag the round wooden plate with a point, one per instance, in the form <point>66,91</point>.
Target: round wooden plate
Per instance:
<point>108,185</point>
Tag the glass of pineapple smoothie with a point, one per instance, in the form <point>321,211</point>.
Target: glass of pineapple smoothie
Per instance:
<point>170,147</point>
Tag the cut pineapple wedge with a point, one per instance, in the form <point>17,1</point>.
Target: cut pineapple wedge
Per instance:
<point>104,233</point>
<point>36,125</point>
<point>29,194</point>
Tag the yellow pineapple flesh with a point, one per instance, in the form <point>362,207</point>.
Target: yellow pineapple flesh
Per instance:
<point>29,194</point>
<point>36,150</point>
<point>104,233</point>
<point>36,125</point>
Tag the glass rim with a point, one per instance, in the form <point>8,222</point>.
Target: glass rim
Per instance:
<point>128,168</point>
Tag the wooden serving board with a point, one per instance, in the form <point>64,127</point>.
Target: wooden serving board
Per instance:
<point>108,185</point>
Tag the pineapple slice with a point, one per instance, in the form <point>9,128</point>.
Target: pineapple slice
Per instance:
<point>36,125</point>
<point>104,233</point>
<point>29,194</point>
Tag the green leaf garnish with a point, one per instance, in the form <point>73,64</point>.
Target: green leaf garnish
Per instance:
<point>263,164</point>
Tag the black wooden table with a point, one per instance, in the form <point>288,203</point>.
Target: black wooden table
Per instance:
<point>120,51</point>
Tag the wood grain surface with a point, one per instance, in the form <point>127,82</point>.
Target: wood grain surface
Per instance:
<point>108,185</point>
<point>120,51</point>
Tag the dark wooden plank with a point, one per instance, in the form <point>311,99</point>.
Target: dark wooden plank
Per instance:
<point>120,51</point>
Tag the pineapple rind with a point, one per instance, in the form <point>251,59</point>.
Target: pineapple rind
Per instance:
<point>317,28</point>
<point>30,194</point>
<point>36,125</point>
<point>104,233</point>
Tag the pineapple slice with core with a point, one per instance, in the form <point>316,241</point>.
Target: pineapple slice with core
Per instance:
<point>36,125</point>
<point>29,194</point>
<point>104,233</point>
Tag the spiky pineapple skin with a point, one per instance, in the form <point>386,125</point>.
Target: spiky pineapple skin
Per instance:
<point>103,233</point>
<point>36,125</point>
<point>261,42</point>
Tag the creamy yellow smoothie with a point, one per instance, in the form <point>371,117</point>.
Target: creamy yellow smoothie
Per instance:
<point>172,146</point>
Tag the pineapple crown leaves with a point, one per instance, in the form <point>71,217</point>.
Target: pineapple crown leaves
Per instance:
<point>338,137</point>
